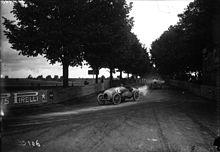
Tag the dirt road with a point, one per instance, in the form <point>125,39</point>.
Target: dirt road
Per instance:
<point>164,120</point>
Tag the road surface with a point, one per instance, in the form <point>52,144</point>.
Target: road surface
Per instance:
<point>166,120</point>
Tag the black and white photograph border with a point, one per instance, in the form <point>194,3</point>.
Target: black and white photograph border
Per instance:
<point>110,75</point>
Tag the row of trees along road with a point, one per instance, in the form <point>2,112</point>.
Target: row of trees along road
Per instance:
<point>98,31</point>
<point>179,49</point>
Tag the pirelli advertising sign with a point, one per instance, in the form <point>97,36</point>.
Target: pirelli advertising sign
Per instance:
<point>27,97</point>
<point>5,98</point>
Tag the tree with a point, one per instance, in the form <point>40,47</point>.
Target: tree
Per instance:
<point>106,33</point>
<point>196,23</point>
<point>56,77</point>
<point>135,58</point>
<point>95,47</point>
<point>168,52</point>
<point>48,28</point>
<point>40,77</point>
<point>48,77</point>
<point>29,76</point>
<point>178,51</point>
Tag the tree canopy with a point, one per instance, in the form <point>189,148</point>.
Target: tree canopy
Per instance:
<point>98,31</point>
<point>49,28</point>
<point>135,58</point>
<point>107,32</point>
<point>179,49</point>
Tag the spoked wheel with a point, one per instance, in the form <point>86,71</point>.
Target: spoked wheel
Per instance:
<point>100,99</point>
<point>136,96</point>
<point>116,99</point>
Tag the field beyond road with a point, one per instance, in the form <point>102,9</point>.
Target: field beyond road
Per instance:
<point>164,120</point>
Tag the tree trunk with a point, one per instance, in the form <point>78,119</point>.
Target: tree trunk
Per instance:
<point>120,75</point>
<point>111,76</point>
<point>65,74</point>
<point>96,75</point>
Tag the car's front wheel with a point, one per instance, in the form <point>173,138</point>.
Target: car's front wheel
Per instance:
<point>116,99</point>
<point>100,99</point>
<point>136,96</point>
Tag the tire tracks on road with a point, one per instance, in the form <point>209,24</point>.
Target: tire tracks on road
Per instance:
<point>160,131</point>
<point>203,128</point>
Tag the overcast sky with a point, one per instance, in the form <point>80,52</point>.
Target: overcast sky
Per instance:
<point>151,18</point>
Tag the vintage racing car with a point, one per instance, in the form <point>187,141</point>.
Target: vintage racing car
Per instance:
<point>118,94</point>
<point>156,84</point>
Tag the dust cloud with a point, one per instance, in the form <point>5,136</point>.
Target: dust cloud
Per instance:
<point>143,90</point>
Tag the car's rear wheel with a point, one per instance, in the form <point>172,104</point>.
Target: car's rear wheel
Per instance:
<point>116,99</point>
<point>136,96</point>
<point>100,99</point>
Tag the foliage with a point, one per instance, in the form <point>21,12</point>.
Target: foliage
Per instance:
<point>48,77</point>
<point>135,58</point>
<point>48,28</point>
<point>179,49</point>
<point>29,76</point>
<point>98,31</point>
<point>107,32</point>
<point>40,77</point>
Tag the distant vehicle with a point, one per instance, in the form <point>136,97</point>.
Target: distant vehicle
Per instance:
<point>156,84</point>
<point>118,94</point>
